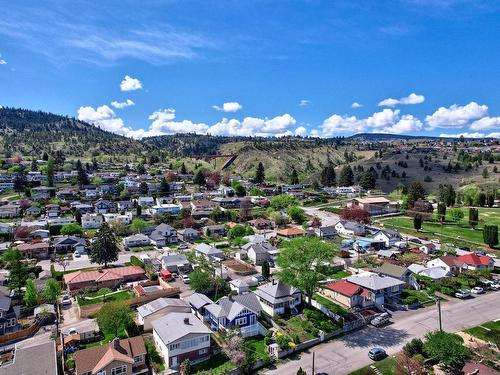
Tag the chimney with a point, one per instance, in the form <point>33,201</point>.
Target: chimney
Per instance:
<point>116,343</point>
<point>186,320</point>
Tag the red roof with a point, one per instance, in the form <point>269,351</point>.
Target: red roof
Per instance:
<point>291,232</point>
<point>102,275</point>
<point>346,288</point>
<point>474,259</point>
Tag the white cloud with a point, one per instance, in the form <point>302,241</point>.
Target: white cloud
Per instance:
<point>104,118</point>
<point>356,105</point>
<point>486,123</point>
<point>386,121</point>
<point>130,84</point>
<point>410,99</point>
<point>228,107</point>
<point>456,116</point>
<point>3,62</point>
<point>304,102</point>
<point>471,135</point>
<point>277,126</point>
<point>301,131</point>
<point>124,104</point>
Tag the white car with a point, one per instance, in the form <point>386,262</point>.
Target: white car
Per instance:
<point>435,241</point>
<point>77,254</point>
<point>462,293</point>
<point>185,279</point>
<point>477,290</point>
<point>66,300</point>
<point>495,286</point>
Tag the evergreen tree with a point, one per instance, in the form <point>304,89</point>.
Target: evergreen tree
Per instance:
<point>143,188</point>
<point>417,221</point>
<point>199,178</point>
<point>52,290</point>
<point>30,295</point>
<point>473,217</point>
<point>328,175</point>
<point>441,211</point>
<point>18,272</point>
<point>104,249</point>
<point>260,174</point>
<point>266,272</point>
<point>294,178</point>
<point>83,179</point>
<point>367,180</point>
<point>164,187</point>
<point>34,165</point>
<point>346,177</point>
<point>490,235</point>
<point>50,172</point>
<point>416,191</point>
<point>183,169</point>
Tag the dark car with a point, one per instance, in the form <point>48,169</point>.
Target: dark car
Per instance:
<point>415,240</point>
<point>377,354</point>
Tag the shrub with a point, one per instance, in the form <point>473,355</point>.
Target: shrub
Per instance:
<point>413,347</point>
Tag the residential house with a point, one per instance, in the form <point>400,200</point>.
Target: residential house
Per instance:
<point>384,289</point>
<point>85,330</point>
<point>374,205</point>
<point>92,221</point>
<point>291,232</point>
<point>32,357</point>
<point>198,302</point>
<point>277,298</point>
<point>176,263</point>
<point>326,231</point>
<point>9,211</point>
<point>124,357</point>
<point>103,206</point>
<point>434,273</point>
<point>260,252</point>
<point>65,244</point>
<point>102,278</point>
<point>203,205</point>
<point>146,201</point>
<point>231,313</point>
<point>165,209</point>
<point>153,310</point>
<point>476,262</point>
<point>388,236</point>
<point>188,235</point>
<point>215,230</point>
<point>33,211</point>
<point>350,228</point>
<point>228,202</point>
<point>9,314</point>
<point>347,294</point>
<point>449,263</point>
<point>398,272</point>
<point>240,286</point>
<point>125,218</point>
<point>136,240</point>
<point>180,336</point>
<point>260,223</point>
<point>163,234</point>
<point>125,205</point>
<point>39,250</point>
<point>428,248</point>
<point>208,251</point>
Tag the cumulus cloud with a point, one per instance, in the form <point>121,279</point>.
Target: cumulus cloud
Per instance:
<point>304,102</point>
<point>356,105</point>
<point>103,117</point>
<point>471,135</point>
<point>124,104</point>
<point>456,116</point>
<point>301,131</point>
<point>386,121</point>
<point>3,62</point>
<point>228,107</point>
<point>276,126</point>
<point>486,123</point>
<point>410,99</point>
<point>130,84</point>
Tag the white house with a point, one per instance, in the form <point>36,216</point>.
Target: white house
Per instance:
<point>91,221</point>
<point>276,298</point>
<point>157,308</point>
<point>179,336</point>
<point>136,240</point>
<point>350,228</point>
<point>388,236</point>
<point>125,219</point>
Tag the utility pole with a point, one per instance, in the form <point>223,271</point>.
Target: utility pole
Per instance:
<point>313,364</point>
<point>439,314</point>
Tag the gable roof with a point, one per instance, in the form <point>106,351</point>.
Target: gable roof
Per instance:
<point>346,288</point>
<point>198,300</point>
<point>392,270</point>
<point>101,275</point>
<point>475,260</point>
<point>174,326</point>
<point>373,281</point>
<point>160,303</point>
<point>276,291</point>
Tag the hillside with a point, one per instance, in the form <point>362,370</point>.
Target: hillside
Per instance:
<point>34,132</point>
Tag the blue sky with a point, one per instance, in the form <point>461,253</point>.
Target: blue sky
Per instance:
<point>321,68</point>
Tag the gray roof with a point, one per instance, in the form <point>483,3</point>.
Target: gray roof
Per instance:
<point>392,270</point>
<point>174,260</point>
<point>39,359</point>
<point>250,301</point>
<point>350,224</point>
<point>207,249</point>
<point>4,301</point>
<point>174,326</point>
<point>259,248</point>
<point>373,281</point>
<point>164,227</point>
<point>276,292</point>
<point>160,303</point>
<point>199,300</point>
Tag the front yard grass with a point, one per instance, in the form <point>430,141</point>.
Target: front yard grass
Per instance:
<point>411,296</point>
<point>333,307</point>
<point>216,365</point>
<point>489,332</point>
<point>257,346</point>
<point>138,249</point>
<point>387,366</point>
<point>114,297</point>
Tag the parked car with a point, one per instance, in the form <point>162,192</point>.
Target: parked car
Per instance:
<point>495,286</point>
<point>183,247</point>
<point>435,241</point>
<point>415,240</point>
<point>66,300</point>
<point>77,254</point>
<point>462,293</point>
<point>477,290</point>
<point>380,320</point>
<point>377,354</point>
<point>185,279</point>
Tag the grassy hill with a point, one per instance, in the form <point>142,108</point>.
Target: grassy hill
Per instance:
<point>34,132</point>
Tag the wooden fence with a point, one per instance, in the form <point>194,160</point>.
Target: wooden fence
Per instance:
<point>21,334</point>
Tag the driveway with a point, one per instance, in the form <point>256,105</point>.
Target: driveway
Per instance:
<point>348,353</point>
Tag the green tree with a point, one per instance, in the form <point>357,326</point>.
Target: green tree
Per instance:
<point>470,194</point>
<point>299,260</point>
<point>239,231</point>
<point>301,372</point>
<point>473,217</point>
<point>138,225</point>
<point>199,178</point>
<point>83,179</point>
<point>346,177</point>
<point>490,235</point>
<point>296,214</point>
<point>416,191</point>
<point>417,221</point>
<point>456,214</point>
<point>294,177</point>
<point>200,281</point>
<point>447,194</point>
<point>164,188</point>
<point>143,188</point>
<point>485,173</point>
<point>18,271</point>
<point>104,249</point>
<point>367,180</point>
<point>446,348</point>
<point>282,201</point>
<point>50,172</point>
<point>441,211</point>
<point>30,295</point>
<point>260,174</point>
<point>266,270</point>
<point>52,290</point>
<point>71,229</point>
<point>114,318</point>
<point>328,175</point>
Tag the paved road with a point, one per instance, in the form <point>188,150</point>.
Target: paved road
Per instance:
<point>344,355</point>
<point>327,218</point>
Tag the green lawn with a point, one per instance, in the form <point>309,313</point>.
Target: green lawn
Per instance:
<point>411,296</point>
<point>339,310</point>
<point>142,248</point>
<point>256,344</point>
<point>119,296</point>
<point>386,366</point>
<point>454,232</point>
<point>217,365</point>
<point>489,331</point>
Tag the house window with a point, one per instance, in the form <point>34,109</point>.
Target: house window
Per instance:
<point>119,370</point>
<point>395,289</point>
<point>240,321</point>
<point>203,351</point>
<point>103,372</point>
<point>138,359</point>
